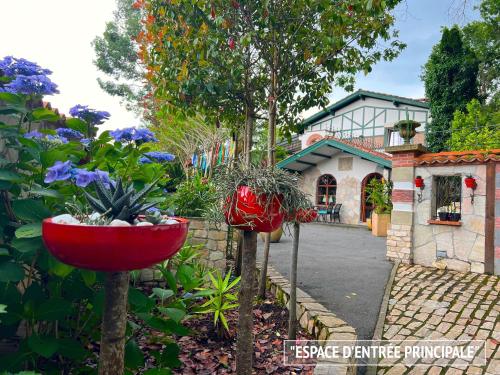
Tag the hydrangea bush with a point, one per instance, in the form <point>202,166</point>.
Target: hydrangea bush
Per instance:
<point>41,175</point>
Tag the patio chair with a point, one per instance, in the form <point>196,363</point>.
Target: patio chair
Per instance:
<point>336,212</point>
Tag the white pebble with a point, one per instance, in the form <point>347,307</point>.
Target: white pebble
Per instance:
<point>65,219</point>
<point>119,223</point>
<point>170,221</point>
<point>95,216</point>
<point>144,224</point>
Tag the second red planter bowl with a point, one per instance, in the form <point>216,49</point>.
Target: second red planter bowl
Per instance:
<point>248,211</point>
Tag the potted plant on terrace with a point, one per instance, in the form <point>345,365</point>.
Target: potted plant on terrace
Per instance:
<point>379,194</point>
<point>116,228</point>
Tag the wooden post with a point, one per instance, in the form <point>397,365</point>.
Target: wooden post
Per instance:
<point>263,271</point>
<point>244,343</point>
<point>114,322</point>
<point>292,320</point>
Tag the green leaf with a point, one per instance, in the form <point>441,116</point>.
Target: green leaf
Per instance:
<point>134,357</point>
<point>29,230</point>
<point>46,346</point>
<point>4,251</point>
<point>163,293</point>
<point>30,210</point>
<point>11,272</point>
<point>59,269</point>
<point>77,124</point>
<point>46,193</point>
<point>139,301</point>
<point>170,356</point>
<point>44,114</point>
<point>53,309</point>
<point>89,277</point>
<point>27,245</point>
<point>175,314</point>
<point>11,98</point>
<point>6,175</point>
<point>72,349</point>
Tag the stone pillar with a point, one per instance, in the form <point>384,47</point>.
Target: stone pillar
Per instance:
<point>400,232</point>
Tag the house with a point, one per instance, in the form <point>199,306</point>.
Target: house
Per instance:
<point>340,149</point>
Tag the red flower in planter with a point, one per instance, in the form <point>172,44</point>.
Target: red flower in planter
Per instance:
<point>303,215</point>
<point>113,249</point>
<point>470,182</point>
<point>419,182</point>
<point>248,211</point>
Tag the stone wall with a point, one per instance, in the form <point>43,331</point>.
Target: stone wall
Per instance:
<point>214,241</point>
<point>462,247</point>
<point>399,237</point>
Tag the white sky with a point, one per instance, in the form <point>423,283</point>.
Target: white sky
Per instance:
<point>57,34</point>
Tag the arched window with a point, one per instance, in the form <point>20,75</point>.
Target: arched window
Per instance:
<point>326,190</point>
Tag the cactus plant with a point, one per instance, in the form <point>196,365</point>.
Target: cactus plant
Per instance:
<point>121,201</point>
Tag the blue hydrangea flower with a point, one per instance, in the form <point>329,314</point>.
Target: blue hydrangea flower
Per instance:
<point>58,172</point>
<point>153,210</point>
<point>83,177</point>
<point>160,156</point>
<point>34,134</point>
<point>31,85</point>
<point>145,160</point>
<point>11,67</point>
<point>85,141</point>
<point>56,139</point>
<point>68,133</point>
<point>140,135</point>
<point>90,115</point>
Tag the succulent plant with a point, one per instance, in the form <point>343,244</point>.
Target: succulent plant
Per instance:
<point>120,201</point>
<point>154,216</point>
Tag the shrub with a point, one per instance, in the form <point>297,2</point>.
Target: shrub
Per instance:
<point>193,197</point>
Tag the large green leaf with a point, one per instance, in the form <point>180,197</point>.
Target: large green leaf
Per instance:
<point>139,301</point>
<point>32,210</point>
<point>44,114</point>
<point>59,269</point>
<point>46,346</point>
<point>46,193</point>
<point>11,272</point>
<point>175,314</point>
<point>134,357</point>
<point>77,124</point>
<point>6,175</point>
<point>89,277</point>
<point>72,349</point>
<point>53,309</point>
<point>29,230</point>
<point>27,245</point>
<point>170,356</point>
<point>11,98</point>
<point>163,293</point>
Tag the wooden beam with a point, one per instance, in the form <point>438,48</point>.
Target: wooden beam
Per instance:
<point>322,155</point>
<point>305,162</point>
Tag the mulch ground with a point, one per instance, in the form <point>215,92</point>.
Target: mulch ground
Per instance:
<point>203,353</point>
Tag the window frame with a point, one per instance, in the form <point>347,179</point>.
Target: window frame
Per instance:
<point>330,186</point>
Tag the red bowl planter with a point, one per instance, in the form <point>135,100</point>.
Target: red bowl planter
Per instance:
<point>248,211</point>
<point>470,182</point>
<point>419,182</point>
<point>303,215</point>
<point>112,249</point>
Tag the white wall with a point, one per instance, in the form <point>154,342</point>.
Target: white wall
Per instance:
<point>348,183</point>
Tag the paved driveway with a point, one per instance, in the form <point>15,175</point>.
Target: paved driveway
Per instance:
<point>343,268</point>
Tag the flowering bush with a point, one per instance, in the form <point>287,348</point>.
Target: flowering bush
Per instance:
<point>60,307</point>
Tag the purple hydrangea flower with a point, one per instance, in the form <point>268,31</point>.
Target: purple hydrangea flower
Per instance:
<point>160,156</point>
<point>90,115</point>
<point>56,138</point>
<point>145,160</point>
<point>104,177</point>
<point>11,67</point>
<point>85,141</point>
<point>58,172</point>
<point>140,135</point>
<point>152,210</point>
<point>31,85</point>
<point>83,177</point>
<point>34,134</point>
<point>68,133</point>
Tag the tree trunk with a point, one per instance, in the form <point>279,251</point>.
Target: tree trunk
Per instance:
<point>271,160</point>
<point>114,322</point>
<point>244,343</point>
<point>292,320</point>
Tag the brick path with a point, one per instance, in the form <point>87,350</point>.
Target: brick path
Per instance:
<point>432,304</point>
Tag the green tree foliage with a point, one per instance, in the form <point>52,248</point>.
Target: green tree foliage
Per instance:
<point>116,56</point>
<point>484,39</point>
<point>477,128</point>
<point>450,78</point>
